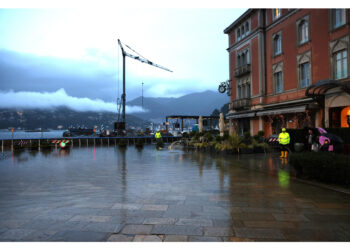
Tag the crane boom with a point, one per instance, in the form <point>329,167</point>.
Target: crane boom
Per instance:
<point>141,59</point>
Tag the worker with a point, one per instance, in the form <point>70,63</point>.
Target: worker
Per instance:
<point>159,140</point>
<point>284,140</point>
<point>158,136</point>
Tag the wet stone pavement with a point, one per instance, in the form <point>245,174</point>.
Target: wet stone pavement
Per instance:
<point>114,194</point>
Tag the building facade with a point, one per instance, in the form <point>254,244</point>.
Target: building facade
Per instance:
<point>289,68</point>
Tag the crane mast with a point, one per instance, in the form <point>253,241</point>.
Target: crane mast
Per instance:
<point>121,125</point>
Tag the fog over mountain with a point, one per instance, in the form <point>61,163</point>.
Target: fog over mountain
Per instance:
<point>50,100</point>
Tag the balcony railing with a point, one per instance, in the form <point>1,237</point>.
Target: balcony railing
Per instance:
<point>240,104</point>
<point>242,70</point>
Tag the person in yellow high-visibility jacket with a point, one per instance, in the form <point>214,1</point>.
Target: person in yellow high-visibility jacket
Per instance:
<point>284,139</point>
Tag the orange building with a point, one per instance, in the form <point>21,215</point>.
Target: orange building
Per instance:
<point>289,68</point>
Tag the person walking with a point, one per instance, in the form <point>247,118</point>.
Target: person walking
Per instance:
<point>284,139</point>
<point>311,141</point>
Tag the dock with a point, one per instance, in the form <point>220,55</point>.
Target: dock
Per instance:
<point>81,141</point>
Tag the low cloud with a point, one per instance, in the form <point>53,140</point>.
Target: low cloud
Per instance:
<point>51,100</point>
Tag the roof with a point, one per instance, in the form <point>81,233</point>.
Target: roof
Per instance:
<point>244,15</point>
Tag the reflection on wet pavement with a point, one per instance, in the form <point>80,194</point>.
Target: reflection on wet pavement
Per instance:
<point>133,194</point>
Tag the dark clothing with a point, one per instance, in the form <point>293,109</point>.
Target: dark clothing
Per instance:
<point>284,147</point>
<point>324,148</point>
<point>310,139</point>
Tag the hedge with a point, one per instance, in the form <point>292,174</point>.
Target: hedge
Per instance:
<point>322,166</point>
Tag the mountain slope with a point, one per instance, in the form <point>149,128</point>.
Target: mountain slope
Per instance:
<point>202,103</point>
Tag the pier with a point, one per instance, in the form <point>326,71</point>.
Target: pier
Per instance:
<point>80,141</point>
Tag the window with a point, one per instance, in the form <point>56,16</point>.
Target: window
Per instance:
<point>276,13</point>
<point>238,61</point>
<point>277,45</point>
<point>341,64</point>
<point>248,90</point>
<point>243,30</point>
<point>303,32</point>
<point>305,75</point>
<point>304,69</point>
<point>278,81</point>
<point>338,18</point>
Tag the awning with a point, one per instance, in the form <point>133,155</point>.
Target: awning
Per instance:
<point>297,109</point>
<point>241,115</point>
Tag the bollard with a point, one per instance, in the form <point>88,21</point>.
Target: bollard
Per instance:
<point>101,142</point>
<point>94,142</point>
<point>115,142</point>
<point>79,143</point>
<point>39,145</point>
<point>108,142</point>
<point>87,142</point>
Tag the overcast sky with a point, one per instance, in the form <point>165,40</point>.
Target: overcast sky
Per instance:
<point>77,50</point>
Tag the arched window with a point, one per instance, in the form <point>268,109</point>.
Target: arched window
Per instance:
<point>277,44</point>
<point>242,31</point>
<point>247,27</point>
<point>303,31</point>
<point>243,59</point>
<point>238,34</point>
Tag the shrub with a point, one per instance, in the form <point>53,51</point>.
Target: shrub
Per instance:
<point>185,135</point>
<point>208,136</point>
<point>322,166</point>
<point>193,133</point>
<point>261,133</point>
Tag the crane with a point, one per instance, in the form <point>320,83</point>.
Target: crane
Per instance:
<point>121,125</point>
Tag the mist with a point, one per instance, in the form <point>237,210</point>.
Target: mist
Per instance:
<point>52,100</point>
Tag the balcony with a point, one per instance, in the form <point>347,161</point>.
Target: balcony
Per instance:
<point>242,70</point>
<point>240,104</point>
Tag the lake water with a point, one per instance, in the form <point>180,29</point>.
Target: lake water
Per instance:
<point>5,134</point>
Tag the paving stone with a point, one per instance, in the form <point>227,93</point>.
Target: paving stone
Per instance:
<point>39,236</point>
<point>137,229</point>
<point>12,224</point>
<point>237,239</point>
<point>16,234</point>
<point>120,238</point>
<point>147,238</point>
<point>155,207</point>
<point>160,221</point>
<point>54,217</point>
<point>102,227</point>
<point>176,238</point>
<point>261,210</point>
<point>204,239</point>
<point>195,222</point>
<point>218,231</point>
<point>290,217</point>
<point>90,218</point>
<point>177,230</point>
<point>79,236</point>
<point>270,224</point>
<point>258,233</point>
<point>330,205</point>
<point>126,206</point>
<point>252,216</point>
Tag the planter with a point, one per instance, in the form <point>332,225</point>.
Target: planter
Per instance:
<point>298,147</point>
